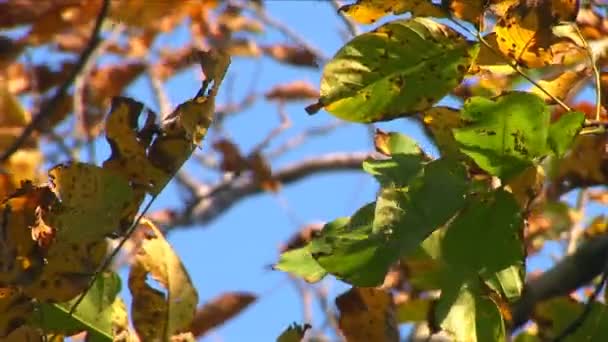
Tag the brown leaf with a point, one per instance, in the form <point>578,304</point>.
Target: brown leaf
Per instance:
<point>367,314</point>
<point>263,173</point>
<point>232,160</point>
<point>302,237</point>
<point>219,310</point>
<point>15,310</point>
<point>291,54</point>
<point>296,90</point>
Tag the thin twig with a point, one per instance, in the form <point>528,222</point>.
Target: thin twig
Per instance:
<point>303,136</point>
<point>287,31</point>
<point>596,73</point>
<point>284,124</point>
<point>48,107</point>
<point>577,230</point>
<point>352,27</point>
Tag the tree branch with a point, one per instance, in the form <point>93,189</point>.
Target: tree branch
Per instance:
<point>221,197</point>
<point>48,107</point>
<point>568,275</point>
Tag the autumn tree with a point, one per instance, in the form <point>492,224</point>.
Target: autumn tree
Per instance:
<point>511,94</point>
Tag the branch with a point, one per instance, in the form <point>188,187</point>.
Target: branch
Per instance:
<point>221,197</point>
<point>48,107</point>
<point>568,275</point>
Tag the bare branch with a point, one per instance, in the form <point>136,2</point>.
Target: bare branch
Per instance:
<point>303,136</point>
<point>48,107</point>
<point>224,195</point>
<point>568,275</point>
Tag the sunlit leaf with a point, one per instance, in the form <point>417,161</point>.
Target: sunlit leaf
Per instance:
<point>402,67</point>
<point>157,314</point>
<point>564,130</point>
<point>505,135</point>
<point>301,263</point>
<point>369,11</point>
<point>469,315</point>
<point>94,314</point>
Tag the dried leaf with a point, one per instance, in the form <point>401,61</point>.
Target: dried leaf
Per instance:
<point>367,314</point>
<point>291,54</point>
<point>15,310</point>
<point>293,91</point>
<point>159,315</point>
<point>219,310</point>
<point>232,160</point>
<point>562,85</point>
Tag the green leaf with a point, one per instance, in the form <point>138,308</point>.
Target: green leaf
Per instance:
<point>294,333</point>
<point>504,136</point>
<point>424,266</point>
<point>469,315</point>
<point>509,282</point>
<point>485,236</point>
<point>402,144</point>
<point>404,66</point>
<point>563,132</point>
<point>94,314</point>
<point>396,171</point>
<point>300,262</point>
<point>362,252</point>
<point>414,310</point>
<point>554,315</point>
<point>352,252</point>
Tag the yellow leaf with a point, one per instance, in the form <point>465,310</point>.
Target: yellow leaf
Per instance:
<point>561,85</point>
<point>21,258</point>
<point>158,315</point>
<point>369,11</point>
<point>68,270</point>
<point>525,35</point>
<point>128,150</point>
<point>586,160</point>
<point>367,314</point>
<point>87,191</point>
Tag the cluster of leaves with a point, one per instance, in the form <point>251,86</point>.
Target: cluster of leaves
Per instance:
<point>462,223</point>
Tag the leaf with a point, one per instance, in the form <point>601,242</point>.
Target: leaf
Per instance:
<point>219,310</point>
<point>555,314</point>
<point>68,270</point>
<point>469,315</point>
<point>94,314</point>
<point>402,67</point>
<point>294,333</point>
<point>367,314</point>
<point>369,11</point>
<point>128,150</point>
<point>291,55</point>
<point>15,309</point>
<point>301,263</point>
<point>393,143</point>
<point>561,85</point>
<point>441,121</point>
<point>525,34</point>
<point>504,136</point>
<point>414,310</point>
<point>585,162</point>
<point>564,130</point>
<point>527,185</point>
<point>469,10</point>
<point>87,191</point>
<point>494,219</point>
<point>361,252</point>
<point>158,315</point>
<point>22,259</point>
<point>292,91</point>
<point>394,172</point>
